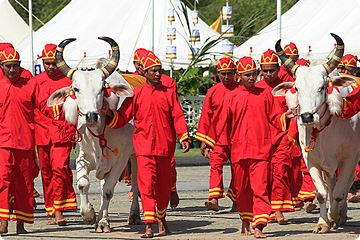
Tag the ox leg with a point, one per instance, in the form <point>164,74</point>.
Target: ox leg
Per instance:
<point>107,189</point>
<point>134,215</point>
<point>346,178</point>
<point>323,224</point>
<point>333,212</point>
<point>83,184</point>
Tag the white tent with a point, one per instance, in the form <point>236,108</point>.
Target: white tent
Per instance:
<point>309,23</point>
<point>127,22</point>
<point>13,28</point>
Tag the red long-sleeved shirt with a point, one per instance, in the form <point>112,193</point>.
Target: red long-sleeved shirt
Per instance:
<point>280,101</point>
<point>211,106</point>
<point>50,122</point>
<point>17,103</point>
<point>158,116</point>
<point>247,113</point>
<point>285,75</point>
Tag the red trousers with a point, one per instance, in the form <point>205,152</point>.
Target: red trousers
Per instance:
<point>251,180</point>
<point>218,157</point>
<point>173,175</point>
<point>280,177</point>
<point>16,176</point>
<point>295,175</point>
<point>307,191</point>
<point>57,177</point>
<point>154,181</point>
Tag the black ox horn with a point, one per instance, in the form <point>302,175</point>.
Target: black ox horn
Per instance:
<point>107,70</point>
<point>329,66</point>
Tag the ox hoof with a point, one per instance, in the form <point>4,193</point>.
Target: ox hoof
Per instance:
<point>134,219</point>
<point>321,228</point>
<point>103,226</point>
<point>343,218</point>
<point>89,217</point>
<point>89,221</point>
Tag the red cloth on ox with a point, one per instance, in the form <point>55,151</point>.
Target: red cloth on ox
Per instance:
<point>57,177</point>
<point>158,117</point>
<point>251,180</point>
<point>154,180</point>
<point>16,177</point>
<point>351,104</point>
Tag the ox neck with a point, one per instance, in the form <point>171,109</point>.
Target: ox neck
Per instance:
<point>325,116</point>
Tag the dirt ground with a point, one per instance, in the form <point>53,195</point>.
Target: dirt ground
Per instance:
<point>190,220</point>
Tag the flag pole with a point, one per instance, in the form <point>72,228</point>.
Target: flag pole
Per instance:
<point>31,38</point>
<point>279,18</point>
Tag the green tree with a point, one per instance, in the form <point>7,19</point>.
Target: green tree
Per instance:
<point>248,16</point>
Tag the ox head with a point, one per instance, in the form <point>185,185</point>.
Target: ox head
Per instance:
<point>84,98</point>
<point>313,90</point>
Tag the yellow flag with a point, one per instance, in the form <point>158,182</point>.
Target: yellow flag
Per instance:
<point>217,24</point>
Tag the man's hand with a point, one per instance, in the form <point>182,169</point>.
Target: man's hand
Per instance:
<point>291,112</point>
<point>185,145</point>
<point>207,151</point>
<point>106,109</point>
<point>202,147</point>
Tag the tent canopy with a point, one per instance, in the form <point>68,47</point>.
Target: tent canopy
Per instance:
<point>127,22</point>
<point>309,23</point>
<point>13,28</point>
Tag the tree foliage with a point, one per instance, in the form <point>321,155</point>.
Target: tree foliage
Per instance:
<point>42,9</point>
<point>248,16</point>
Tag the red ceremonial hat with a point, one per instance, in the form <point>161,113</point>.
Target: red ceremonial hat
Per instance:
<point>349,60</point>
<point>226,63</point>
<point>303,62</point>
<point>10,54</point>
<point>341,63</point>
<point>49,51</point>
<point>3,46</point>
<point>269,57</point>
<point>291,49</point>
<point>149,59</point>
<point>137,53</point>
<point>246,64</point>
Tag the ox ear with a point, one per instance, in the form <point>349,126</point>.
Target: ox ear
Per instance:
<point>122,90</point>
<point>58,97</point>
<point>280,90</point>
<point>342,81</point>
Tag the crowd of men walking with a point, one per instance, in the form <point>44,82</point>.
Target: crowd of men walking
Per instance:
<point>241,121</point>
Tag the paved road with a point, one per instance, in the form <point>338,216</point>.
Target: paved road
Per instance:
<point>191,220</point>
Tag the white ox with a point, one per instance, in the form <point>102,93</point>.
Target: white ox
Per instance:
<point>100,148</point>
<point>334,141</point>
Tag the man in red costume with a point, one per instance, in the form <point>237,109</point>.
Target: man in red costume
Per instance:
<point>169,82</point>
<point>220,154</point>
<point>245,116</point>
<point>54,138</point>
<point>350,67</point>
<point>292,51</point>
<point>17,101</point>
<point>158,117</point>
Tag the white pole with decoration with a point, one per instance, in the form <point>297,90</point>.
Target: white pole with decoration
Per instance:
<point>279,18</point>
<point>227,29</point>
<point>31,39</point>
<point>171,35</point>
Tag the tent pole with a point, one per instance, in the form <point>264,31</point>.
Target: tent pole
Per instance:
<point>279,18</point>
<point>31,38</point>
<point>152,26</point>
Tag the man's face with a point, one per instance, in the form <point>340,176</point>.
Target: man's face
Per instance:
<point>153,75</point>
<point>139,68</point>
<point>247,79</point>
<point>350,70</point>
<point>341,69</point>
<point>50,67</point>
<point>227,76</point>
<point>11,69</point>
<point>270,72</point>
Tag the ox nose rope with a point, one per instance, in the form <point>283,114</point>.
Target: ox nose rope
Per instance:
<point>103,143</point>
